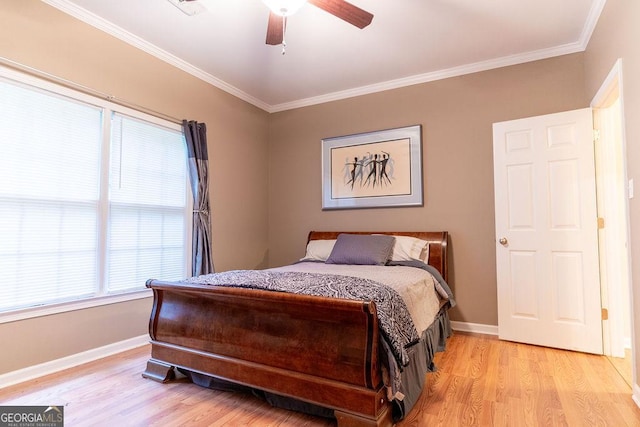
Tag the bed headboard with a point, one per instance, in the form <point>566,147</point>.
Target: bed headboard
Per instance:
<point>437,243</point>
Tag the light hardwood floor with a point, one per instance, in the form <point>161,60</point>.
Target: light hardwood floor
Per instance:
<point>481,381</point>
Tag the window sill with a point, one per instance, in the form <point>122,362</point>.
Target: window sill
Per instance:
<point>48,310</point>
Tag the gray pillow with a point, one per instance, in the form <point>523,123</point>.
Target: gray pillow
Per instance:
<point>361,249</point>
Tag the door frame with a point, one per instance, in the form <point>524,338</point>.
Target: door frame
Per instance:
<point>612,296</point>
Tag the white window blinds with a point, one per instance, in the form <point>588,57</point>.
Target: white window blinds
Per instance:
<point>147,198</point>
<point>64,233</point>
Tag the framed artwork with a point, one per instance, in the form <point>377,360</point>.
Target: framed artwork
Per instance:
<point>374,169</point>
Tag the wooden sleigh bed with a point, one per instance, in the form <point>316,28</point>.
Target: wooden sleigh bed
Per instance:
<point>318,350</point>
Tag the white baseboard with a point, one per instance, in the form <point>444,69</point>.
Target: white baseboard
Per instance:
<point>36,371</point>
<point>476,328</point>
<point>636,394</point>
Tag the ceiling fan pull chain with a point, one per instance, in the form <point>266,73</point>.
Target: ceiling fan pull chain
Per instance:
<point>284,30</point>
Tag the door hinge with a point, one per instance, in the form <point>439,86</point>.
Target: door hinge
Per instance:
<point>596,135</point>
<point>600,223</point>
<point>605,314</point>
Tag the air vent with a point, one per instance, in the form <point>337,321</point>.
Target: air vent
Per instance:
<point>188,7</point>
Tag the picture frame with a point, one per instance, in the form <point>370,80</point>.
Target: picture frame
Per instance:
<point>373,169</point>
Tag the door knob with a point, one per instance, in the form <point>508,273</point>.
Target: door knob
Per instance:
<point>503,241</point>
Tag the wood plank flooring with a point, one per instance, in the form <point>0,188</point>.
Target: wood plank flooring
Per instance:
<point>481,381</point>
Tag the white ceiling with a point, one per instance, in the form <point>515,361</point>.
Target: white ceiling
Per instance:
<point>408,42</point>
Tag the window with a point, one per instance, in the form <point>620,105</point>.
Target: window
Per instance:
<point>93,197</point>
<point>147,204</point>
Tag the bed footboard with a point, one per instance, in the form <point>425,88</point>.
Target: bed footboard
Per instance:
<point>320,350</point>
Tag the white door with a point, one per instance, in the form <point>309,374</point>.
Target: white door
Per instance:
<point>546,231</point>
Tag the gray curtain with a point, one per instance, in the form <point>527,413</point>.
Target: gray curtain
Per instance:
<point>196,136</point>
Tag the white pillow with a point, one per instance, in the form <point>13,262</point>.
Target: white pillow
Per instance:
<point>318,250</point>
<point>407,248</point>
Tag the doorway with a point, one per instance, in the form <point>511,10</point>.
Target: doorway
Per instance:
<point>613,192</point>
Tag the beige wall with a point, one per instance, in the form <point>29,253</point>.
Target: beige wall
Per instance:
<point>617,36</point>
<point>457,116</point>
<point>40,36</point>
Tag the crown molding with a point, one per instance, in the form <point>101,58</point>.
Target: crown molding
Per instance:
<point>108,27</point>
<point>120,33</point>
<point>578,46</point>
<point>591,22</point>
<point>433,76</point>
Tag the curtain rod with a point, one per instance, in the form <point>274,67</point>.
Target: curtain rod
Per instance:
<point>84,89</point>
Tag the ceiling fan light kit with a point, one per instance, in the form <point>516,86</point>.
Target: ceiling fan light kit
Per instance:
<point>280,10</point>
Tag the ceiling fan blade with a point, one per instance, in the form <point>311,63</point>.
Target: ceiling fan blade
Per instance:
<point>345,11</point>
<point>274,29</point>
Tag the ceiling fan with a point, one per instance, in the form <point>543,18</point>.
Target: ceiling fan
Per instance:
<point>281,9</point>
<point>338,8</point>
